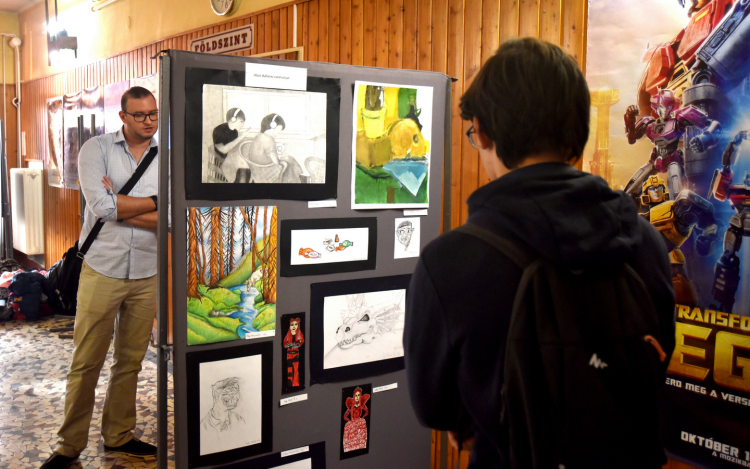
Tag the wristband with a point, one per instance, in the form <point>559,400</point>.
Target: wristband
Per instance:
<point>156,203</point>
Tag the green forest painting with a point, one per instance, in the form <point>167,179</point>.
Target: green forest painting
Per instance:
<point>231,273</point>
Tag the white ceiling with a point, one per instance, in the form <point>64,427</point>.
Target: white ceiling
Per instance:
<point>15,6</point>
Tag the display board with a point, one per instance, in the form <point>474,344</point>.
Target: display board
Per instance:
<point>296,219</point>
<point>677,73</point>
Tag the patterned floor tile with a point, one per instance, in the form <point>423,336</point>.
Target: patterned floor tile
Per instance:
<point>32,397</point>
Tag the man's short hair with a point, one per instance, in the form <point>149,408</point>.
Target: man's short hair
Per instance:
<point>530,97</point>
<point>136,92</point>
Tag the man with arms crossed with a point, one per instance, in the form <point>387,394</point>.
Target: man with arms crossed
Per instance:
<point>117,290</point>
<point>530,107</point>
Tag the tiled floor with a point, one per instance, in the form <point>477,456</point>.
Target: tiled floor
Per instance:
<point>33,365</point>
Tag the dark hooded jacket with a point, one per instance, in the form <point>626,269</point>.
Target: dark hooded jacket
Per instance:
<point>462,290</point>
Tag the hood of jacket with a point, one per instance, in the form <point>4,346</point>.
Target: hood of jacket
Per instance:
<point>565,215</point>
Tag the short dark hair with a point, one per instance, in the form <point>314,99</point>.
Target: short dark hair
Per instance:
<point>136,92</point>
<point>236,113</point>
<point>269,121</point>
<point>530,97</point>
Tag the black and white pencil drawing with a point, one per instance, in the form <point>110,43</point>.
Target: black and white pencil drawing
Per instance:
<point>230,404</point>
<point>264,136</point>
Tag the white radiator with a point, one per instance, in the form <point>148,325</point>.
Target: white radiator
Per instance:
<point>27,210</point>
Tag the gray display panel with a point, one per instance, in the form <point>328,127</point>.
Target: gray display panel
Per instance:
<point>396,438</point>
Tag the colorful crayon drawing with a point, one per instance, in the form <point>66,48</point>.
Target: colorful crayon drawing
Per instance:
<point>392,146</point>
<point>231,273</point>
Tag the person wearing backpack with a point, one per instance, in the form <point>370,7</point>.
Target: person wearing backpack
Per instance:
<point>117,289</point>
<point>538,334</point>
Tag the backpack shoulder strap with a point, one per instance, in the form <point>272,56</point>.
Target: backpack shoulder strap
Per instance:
<point>519,255</point>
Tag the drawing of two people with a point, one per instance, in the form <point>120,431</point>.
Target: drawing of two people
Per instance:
<point>253,160</point>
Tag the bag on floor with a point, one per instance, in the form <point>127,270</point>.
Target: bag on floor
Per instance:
<point>582,371</point>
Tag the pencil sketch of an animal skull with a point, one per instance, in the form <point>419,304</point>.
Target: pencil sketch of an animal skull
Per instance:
<point>362,323</point>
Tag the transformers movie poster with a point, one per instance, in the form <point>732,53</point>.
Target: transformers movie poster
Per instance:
<point>670,96</point>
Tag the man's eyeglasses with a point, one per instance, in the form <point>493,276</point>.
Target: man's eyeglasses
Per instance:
<point>140,117</point>
<point>470,134</point>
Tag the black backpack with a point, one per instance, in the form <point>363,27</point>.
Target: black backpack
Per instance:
<point>582,373</point>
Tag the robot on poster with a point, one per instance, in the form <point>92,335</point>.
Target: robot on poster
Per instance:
<point>676,73</point>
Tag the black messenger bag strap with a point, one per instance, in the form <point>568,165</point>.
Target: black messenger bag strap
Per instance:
<point>124,191</point>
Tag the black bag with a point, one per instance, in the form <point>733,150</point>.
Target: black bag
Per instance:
<point>68,276</point>
<point>582,374</point>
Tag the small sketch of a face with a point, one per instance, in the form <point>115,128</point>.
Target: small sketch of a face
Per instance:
<point>404,232</point>
<point>293,326</point>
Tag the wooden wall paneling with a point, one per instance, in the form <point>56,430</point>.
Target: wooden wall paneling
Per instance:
<point>528,23</point>
<point>334,30</point>
<point>472,53</point>
<point>304,26</point>
<point>345,44</point>
<point>574,30</point>
<point>284,41</point>
<point>455,69</point>
<point>290,30</point>
<point>260,35</point>
<point>311,53</point>
<point>549,28</point>
<point>490,43</point>
<point>396,34</point>
<point>424,34</point>
<point>323,25</point>
<point>269,42</point>
<point>410,40</point>
<point>440,36</point>
<point>275,32</point>
<point>370,34</point>
<point>357,31</point>
<point>509,19</point>
<point>382,38</point>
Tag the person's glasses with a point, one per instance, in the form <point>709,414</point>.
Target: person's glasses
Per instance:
<point>140,117</point>
<point>470,134</point>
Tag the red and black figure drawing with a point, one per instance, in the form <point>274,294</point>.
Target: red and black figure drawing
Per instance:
<point>355,428</point>
<point>293,352</point>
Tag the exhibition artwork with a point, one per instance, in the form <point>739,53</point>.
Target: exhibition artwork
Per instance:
<point>293,352</point>
<point>231,273</point>
<point>676,73</point>
<point>391,145</point>
<point>263,136</point>
<point>311,456</point>
<point>359,326</point>
<point>112,105</point>
<point>53,163</point>
<point>356,407</point>
<point>318,246</point>
<point>230,404</point>
<point>92,110</point>
<point>363,327</point>
<point>71,111</point>
<point>406,238</point>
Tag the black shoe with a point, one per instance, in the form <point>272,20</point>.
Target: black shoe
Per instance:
<point>134,447</point>
<point>58,461</point>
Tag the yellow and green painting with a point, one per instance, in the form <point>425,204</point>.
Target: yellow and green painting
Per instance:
<point>391,146</point>
<point>231,273</point>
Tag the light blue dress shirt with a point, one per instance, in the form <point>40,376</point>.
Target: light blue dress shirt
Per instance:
<point>120,250</point>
